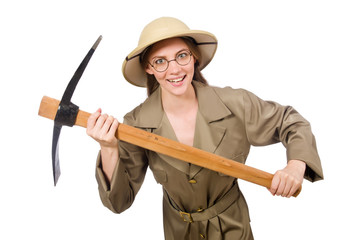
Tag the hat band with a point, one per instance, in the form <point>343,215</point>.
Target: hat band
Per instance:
<point>128,59</point>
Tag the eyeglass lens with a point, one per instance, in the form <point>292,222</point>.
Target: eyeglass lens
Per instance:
<point>161,64</point>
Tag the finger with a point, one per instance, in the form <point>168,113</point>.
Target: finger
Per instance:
<point>275,183</point>
<point>95,130</point>
<point>100,121</point>
<point>92,120</point>
<point>287,188</point>
<point>110,138</point>
<point>108,123</point>
<point>294,189</point>
<point>114,127</point>
<point>281,186</point>
<point>105,128</point>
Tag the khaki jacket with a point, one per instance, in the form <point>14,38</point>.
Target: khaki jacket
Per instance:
<point>200,203</point>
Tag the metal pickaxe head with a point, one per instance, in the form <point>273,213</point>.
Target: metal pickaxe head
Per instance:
<point>67,111</point>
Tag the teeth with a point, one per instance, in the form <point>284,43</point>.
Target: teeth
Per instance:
<point>176,80</point>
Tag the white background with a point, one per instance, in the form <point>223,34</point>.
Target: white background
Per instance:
<point>307,54</point>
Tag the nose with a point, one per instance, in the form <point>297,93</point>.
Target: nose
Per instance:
<point>173,66</point>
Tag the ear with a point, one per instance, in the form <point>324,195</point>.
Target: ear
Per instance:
<point>194,59</point>
<point>149,70</point>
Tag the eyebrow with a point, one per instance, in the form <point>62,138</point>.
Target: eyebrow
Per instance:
<point>184,49</point>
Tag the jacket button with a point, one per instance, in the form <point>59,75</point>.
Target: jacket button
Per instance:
<point>202,236</point>
<point>192,181</point>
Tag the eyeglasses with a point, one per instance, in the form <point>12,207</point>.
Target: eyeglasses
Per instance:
<point>161,64</point>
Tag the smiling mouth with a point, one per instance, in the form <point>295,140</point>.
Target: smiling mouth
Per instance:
<point>177,80</point>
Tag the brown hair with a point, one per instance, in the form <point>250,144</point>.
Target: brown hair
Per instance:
<point>152,83</point>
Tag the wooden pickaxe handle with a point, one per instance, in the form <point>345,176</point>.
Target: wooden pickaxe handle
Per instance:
<point>49,106</point>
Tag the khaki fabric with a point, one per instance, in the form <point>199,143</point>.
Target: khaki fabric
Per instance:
<point>228,122</point>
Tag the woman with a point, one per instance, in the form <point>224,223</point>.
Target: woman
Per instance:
<point>198,203</point>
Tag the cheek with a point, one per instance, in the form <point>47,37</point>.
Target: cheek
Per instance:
<point>159,76</point>
<point>191,68</point>
<point>192,65</point>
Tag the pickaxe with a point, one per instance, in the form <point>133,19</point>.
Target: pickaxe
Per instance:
<point>66,113</point>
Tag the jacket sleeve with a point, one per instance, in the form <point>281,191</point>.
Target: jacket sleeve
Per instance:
<point>127,179</point>
<point>268,122</point>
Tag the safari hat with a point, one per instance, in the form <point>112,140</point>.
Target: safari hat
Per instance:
<point>160,29</point>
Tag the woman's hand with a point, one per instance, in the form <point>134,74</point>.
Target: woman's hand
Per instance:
<point>288,180</point>
<point>102,128</point>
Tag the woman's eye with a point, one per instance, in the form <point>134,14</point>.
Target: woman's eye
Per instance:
<point>159,61</point>
<point>182,55</point>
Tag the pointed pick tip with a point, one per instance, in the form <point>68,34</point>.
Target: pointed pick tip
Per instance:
<point>56,177</point>
<point>95,45</point>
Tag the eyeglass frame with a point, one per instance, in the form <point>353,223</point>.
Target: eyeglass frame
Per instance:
<point>168,61</point>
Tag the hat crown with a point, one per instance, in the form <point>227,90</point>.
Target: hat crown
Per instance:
<point>161,28</point>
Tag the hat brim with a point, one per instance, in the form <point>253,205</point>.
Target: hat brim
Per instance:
<point>136,75</point>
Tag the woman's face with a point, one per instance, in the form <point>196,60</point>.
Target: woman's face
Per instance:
<point>176,79</point>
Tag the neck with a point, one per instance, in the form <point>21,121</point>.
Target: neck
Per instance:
<point>179,103</point>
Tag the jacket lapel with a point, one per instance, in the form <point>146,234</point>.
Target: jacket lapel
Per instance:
<point>152,116</point>
<point>167,131</point>
<point>208,133</point>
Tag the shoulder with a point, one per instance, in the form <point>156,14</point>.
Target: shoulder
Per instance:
<point>131,117</point>
<point>229,92</point>
<point>234,96</point>
<point>148,114</point>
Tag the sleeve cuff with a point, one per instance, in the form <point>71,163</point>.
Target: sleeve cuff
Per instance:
<point>102,180</point>
<point>100,174</point>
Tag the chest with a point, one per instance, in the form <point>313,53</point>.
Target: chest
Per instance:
<point>184,126</point>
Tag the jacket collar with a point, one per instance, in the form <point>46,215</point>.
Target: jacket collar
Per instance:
<point>208,133</point>
<point>210,106</point>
